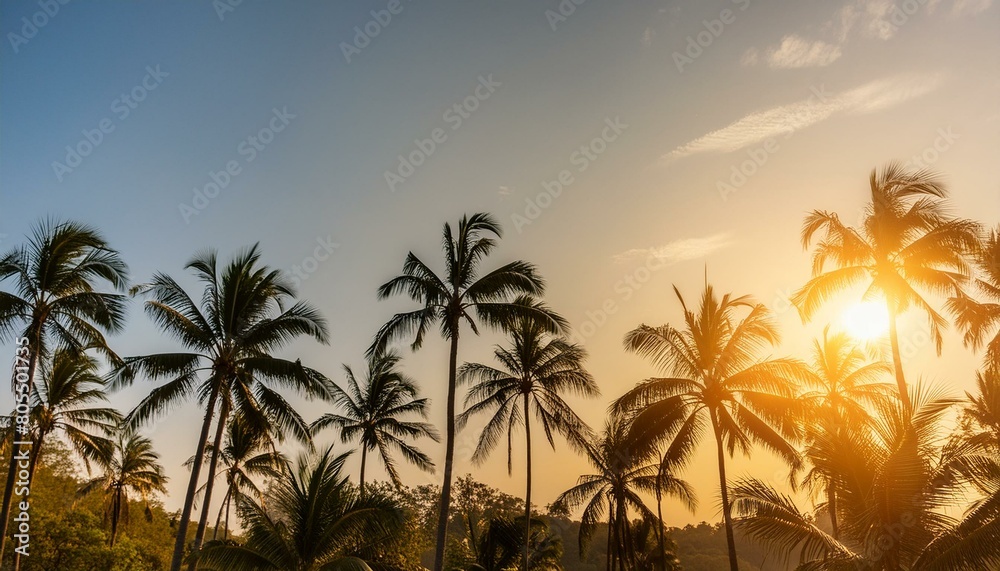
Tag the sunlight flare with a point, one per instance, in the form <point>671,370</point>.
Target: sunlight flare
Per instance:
<point>867,320</point>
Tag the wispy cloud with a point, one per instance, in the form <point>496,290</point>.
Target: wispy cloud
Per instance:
<point>786,119</point>
<point>795,51</point>
<point>678,250</point>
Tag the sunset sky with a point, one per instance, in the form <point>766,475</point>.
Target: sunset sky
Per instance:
<point>623,148</point>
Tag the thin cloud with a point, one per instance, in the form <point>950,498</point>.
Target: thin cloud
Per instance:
<point>786,119</point>
<point>679,250</point>
<point>796,52</point>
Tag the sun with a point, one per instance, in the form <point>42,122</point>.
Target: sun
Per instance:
<point>866,320</point>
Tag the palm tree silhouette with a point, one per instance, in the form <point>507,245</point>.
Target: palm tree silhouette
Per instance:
<point>980,320</point>
<point>896,478</point>
<point>246,314</point>
<point>374,413</point>
<point>622,474</point>
<point>313,520</point>
<point>55,303</point>
<point>248,453</point>
<point>845,383</point>
<point>535,372</point>
<point>463,295</point>
<point>905,241</point>
<point>718,376</point>
<point>131,467</point>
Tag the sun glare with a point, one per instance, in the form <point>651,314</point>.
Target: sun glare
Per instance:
<point>866,320</point>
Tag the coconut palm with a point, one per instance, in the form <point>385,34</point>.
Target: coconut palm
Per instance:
<point>718,380</point>
<point>462,295</point>
<point>55,302</point>
<point>845,382</point>
<point>660,478</point>
<point>981,414</point>
<point>622,474</point>
<point>906,244</point>
<point>898,480</point>
<point>313,520</point>
<point>374,413</point>
<point>981,320</point>
<point>64,404</point>
<point>535,372</point>
<point>247,455</point>
<point>247,312</point>
<point>132,467</point>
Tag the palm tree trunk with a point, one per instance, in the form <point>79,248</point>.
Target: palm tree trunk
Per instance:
<point>361,478</point>
<point>213,463</point>
<point>222,508</point>
<point>831,506</point>
<point>199,458</point>
<point>527,485</point>
<point>904,395</point>
<point>611,519</point>
<point>116,508</point>
<point>33,332</point>
<point>229,504</point>
<point>727,516</point>
<point>449,453</point>
<point>659,523</point>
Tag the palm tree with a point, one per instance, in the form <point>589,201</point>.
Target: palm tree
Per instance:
<point>55,302</point>
<point>906,241</point>
<point>622,474</point>
<point>132,467</point>
<point>981,414</point>
<point>534,374</point>
<point>313,520</point>
<point>248,454</point>
<point>898,478</point>
<point>375,413</point>
<point>247,312</point>
<point>717,378</point>
<point>980,320</point>
<point>462,295</point>
<point>846,382</point>
<point>659,479</point>
<point>65,396</point>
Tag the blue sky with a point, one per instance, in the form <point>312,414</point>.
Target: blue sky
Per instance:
<point>813,94</point>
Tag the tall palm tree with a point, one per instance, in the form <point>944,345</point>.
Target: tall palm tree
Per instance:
<point>462,295</point>
<point>247,455</point>
<point>375,414</point>
<point>899,478</point>
<point>845,382</point>
<point>535,372</point>
<point>247,312</point>
<point>622,474</point>
<point>313,521</point>
<point>719,379</point>
<point>981,320</point>
<point>132,467</point>
<point>905,243</point>
<point>55,302</point>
